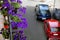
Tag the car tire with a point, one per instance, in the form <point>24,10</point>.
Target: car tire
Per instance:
<point>47,38</point>
<point>35,12</point>
<point>37,18</point>
<point>35,9</point>
<point>54,16</point>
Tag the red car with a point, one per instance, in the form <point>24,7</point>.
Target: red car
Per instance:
<point>52,29</point>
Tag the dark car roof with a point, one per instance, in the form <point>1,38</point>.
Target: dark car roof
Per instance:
<point>57,13</point>
<point>57,10</point>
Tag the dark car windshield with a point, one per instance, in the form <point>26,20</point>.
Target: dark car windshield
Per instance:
<point>55,29</point>
<point>44,12</point>
<point>44,7</point>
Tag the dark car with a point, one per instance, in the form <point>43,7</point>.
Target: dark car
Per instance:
<point>56,14</point>
<point>42,12</point>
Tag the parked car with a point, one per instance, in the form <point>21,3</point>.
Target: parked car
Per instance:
<point>56,14</point>
<point>52,29</point>
<point>42,12</point>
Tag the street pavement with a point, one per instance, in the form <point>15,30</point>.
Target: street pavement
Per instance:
<point>35,30</point>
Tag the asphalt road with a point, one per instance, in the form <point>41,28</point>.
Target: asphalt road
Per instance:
<point>35,30</point>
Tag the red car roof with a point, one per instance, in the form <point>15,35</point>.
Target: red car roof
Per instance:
<point>53,23</point>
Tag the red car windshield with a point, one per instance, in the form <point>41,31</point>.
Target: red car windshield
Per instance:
<point>56,29</point>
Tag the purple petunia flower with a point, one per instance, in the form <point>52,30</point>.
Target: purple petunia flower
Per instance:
<point>10,12</point>
<point>13,24</point>
<point>21,10</point>
<point>24,10</point>
<point>6,5</point>
<point>19,1</point>
<point>19,35</point>
<point>22,24</point>
<point>13,0</point>
<point>21,31</point>
<point>5,1</point>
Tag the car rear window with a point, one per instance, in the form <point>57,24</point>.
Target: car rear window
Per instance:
<point>56,29</point>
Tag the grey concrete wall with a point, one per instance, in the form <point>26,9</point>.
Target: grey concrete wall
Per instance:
<point>49,2</point>
<point>57,4</point>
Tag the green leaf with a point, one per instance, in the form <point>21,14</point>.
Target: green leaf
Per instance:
<point>16,5</point>
<point>4,12</point>
<point>16,19</point>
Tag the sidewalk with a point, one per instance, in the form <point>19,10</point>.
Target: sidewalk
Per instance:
<point>1,26</point>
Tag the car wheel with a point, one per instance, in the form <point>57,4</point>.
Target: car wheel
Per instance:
<point>54,16</point>
<point>47,38</point>
<point>37,18</point>
<point>35,9</point>
<point>35,12</point>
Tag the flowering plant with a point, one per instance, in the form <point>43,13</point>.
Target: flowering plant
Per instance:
<point>19,36</point>
<point>15,11</point>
